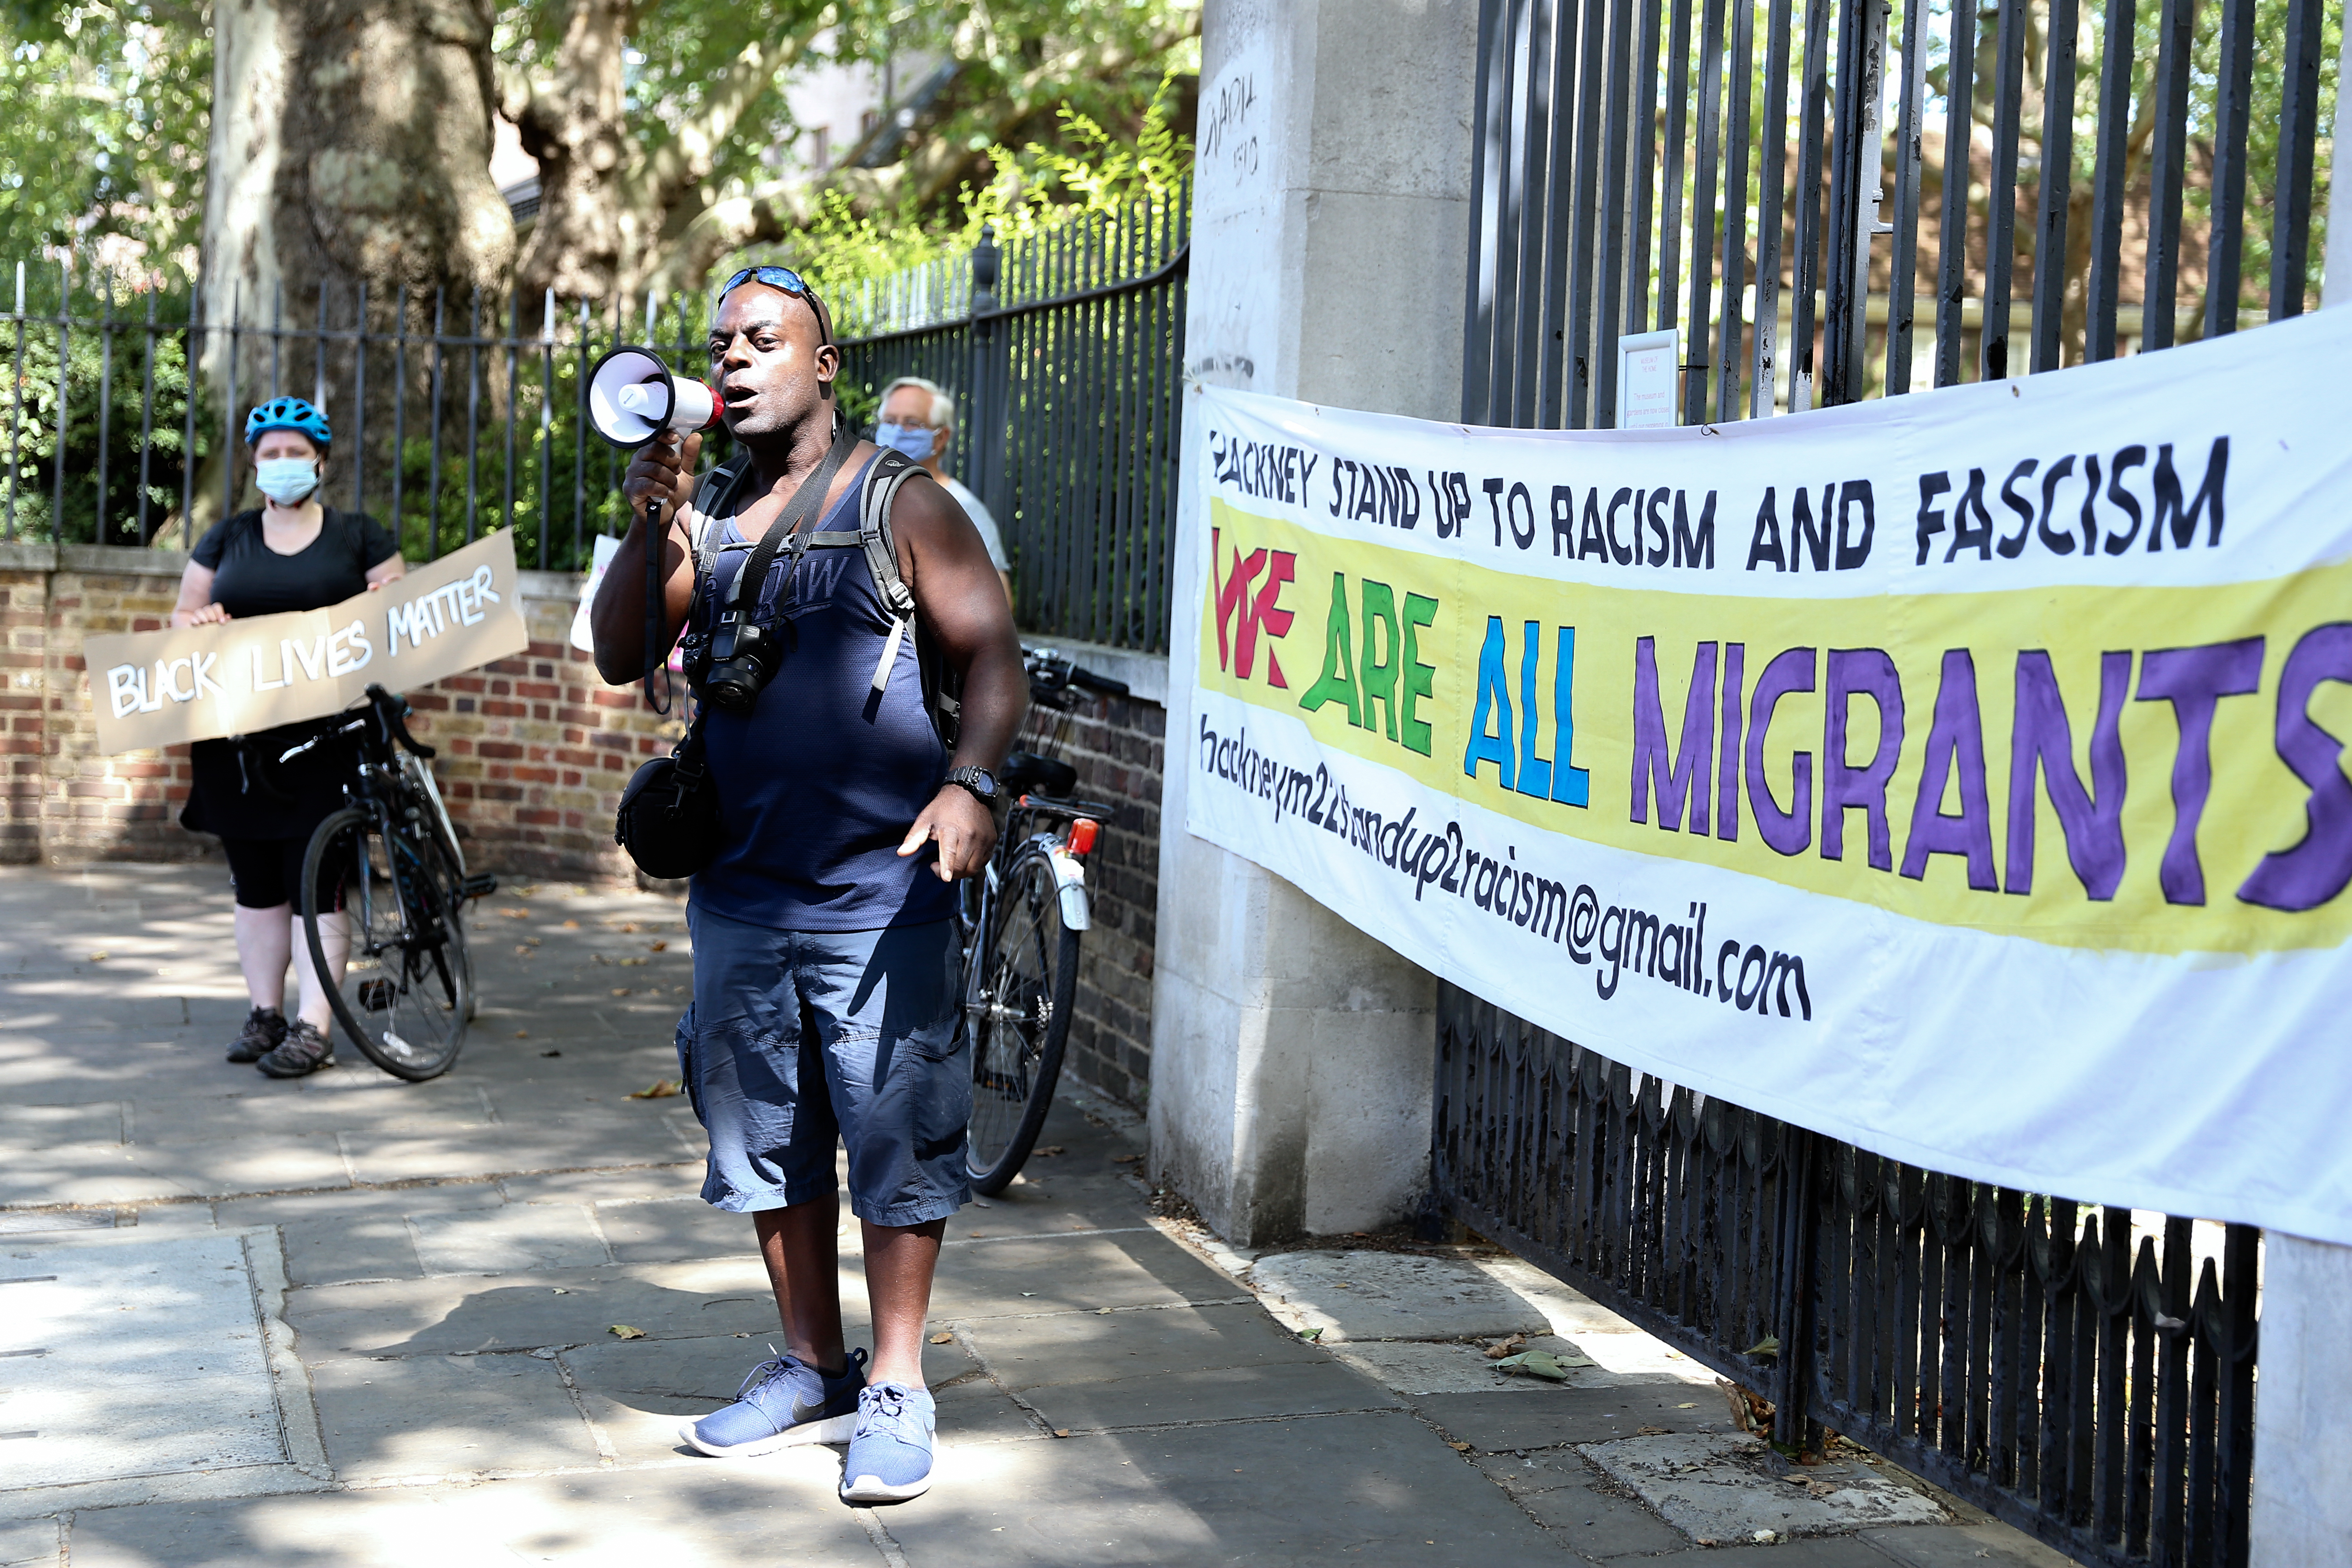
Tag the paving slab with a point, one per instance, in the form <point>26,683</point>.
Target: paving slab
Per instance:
<point>117,1174</point>
<point>1562,1492</point>
<point>662,1229</point>
<point>1965,1546</point>
<point>1422,1367</point>
<point>1088,1347</point>
<point>1819,1551</point>
<point>550,1307</point>
<point>1321,1387</point>
<point>1721,1489</point>
<point>1388,1295</point>
<point>516,1238</point>
<point>1496,1422</point>
<point>25,1543</point>
<point>145,1358</point>
<point>1128,1266</point>
<point>681,1178</point>
<point>279,1110</point>
<point>447,1416</point>
<point>1374,1488</point>
<point>560,1139</point>
<point>34,1125</point>
<point>717,1516</point>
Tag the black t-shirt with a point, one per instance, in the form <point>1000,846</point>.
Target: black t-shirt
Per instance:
<point>251,579</point>
<point>240,789</point>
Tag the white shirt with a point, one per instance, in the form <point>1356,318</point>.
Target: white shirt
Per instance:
<point>980,519</point>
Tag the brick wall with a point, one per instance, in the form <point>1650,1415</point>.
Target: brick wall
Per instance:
<point>1116,745</point>
<point>534,752</point>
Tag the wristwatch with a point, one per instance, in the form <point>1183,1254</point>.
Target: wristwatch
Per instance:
<point>980,781</point>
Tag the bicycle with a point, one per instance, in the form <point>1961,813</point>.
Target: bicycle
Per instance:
<point>392,855</point>
<point>1019,927</point>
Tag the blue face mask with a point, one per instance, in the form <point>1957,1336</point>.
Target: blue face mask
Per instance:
<point>915,440</point>
<point>286,480</point>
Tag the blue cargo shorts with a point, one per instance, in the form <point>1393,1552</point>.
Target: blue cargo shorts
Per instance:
<point>796,1038</point>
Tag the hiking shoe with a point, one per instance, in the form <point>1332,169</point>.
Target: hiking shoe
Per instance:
<point>264,1029</point>
<point>889,1458</point>
<point>785,1401</point>
<point>303,1050</point>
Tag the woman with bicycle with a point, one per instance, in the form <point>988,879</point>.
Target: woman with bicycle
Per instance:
<point>294,552</point>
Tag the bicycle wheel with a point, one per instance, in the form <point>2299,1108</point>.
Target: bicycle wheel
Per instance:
<point>1024,978</point>
<point>407,983</point>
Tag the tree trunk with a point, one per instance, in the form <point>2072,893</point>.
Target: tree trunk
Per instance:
<point>350,142</point>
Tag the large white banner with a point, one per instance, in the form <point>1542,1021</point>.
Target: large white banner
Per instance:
<point>1960,775</point>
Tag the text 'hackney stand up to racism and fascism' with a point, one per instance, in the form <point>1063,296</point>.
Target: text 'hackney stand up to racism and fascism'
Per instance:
<point>1918,771</point>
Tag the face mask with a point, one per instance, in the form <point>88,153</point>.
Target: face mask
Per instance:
<point>915,440</point>
<point>286,480</point>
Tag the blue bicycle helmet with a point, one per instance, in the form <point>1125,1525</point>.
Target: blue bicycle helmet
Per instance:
<point>287,414</point>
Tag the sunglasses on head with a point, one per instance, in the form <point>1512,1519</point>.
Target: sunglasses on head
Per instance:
<point>782,278</point>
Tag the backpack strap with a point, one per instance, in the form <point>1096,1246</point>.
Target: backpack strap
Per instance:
<point>889,474</point>
<point>712,494</point>
<point>892,469</point>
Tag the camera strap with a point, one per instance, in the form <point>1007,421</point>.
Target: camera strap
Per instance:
<point>797,512</point>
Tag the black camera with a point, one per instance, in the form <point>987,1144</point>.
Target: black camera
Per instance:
<point>733,664</point>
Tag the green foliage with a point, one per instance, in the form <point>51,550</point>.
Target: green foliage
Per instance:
<point>109,105</point>
<point>97,362</point>
<point>1088,169</point>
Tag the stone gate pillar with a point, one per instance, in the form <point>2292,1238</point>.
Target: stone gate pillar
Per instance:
<point>1292,1056</point>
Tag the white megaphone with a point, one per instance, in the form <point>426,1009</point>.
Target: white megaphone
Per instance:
<point>633,398</point>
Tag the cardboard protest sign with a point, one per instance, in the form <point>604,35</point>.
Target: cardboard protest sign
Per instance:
<point>158,689</point>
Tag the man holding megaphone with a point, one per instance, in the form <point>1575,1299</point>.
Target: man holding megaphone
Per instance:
<point>833,600</point>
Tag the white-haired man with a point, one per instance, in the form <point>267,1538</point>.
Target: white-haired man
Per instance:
<point>919,418</point>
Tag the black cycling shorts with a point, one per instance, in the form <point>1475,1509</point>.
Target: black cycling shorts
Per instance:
<point>265,873</point>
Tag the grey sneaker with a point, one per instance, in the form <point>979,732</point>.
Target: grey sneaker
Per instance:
<point>303,1050</point>
<point>784,1402</point>
<point>889,1458</point>
<point>264,1029</point>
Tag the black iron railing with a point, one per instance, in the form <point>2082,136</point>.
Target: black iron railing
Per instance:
<point>2055,186</point>
<point>2128,174</point>
<point>1071,408</point>
<point>453,416</point>
<point>2084,1380</point>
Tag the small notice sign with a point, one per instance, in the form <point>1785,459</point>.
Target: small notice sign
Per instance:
<point>1648,364</point>
<point>160,688</point>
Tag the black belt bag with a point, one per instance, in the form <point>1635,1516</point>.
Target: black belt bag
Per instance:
<point>668,820</point>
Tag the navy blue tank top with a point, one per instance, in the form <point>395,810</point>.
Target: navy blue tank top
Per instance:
<point>819,782</point>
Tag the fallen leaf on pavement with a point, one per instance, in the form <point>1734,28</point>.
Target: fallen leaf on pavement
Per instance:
<point>943,1338</point>
<point>1050,1150</point>
<point>523,1033</point>
<point>1310,1335</point>
<point>657,947</point>
<point>1692,1405</point>
<point>660,1088</point>
<point>1501,1348</point>
<point>1543,1364</point>
<point>570,925</point>
<point>620,991</point>
<point>97,958</point>
<point>516,914</point>
<point>1459,1448</point>
<point>1126,1159</point>
<point>626,1332</point>
<point>1649,1431</point>
<point>1061,1431</point>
